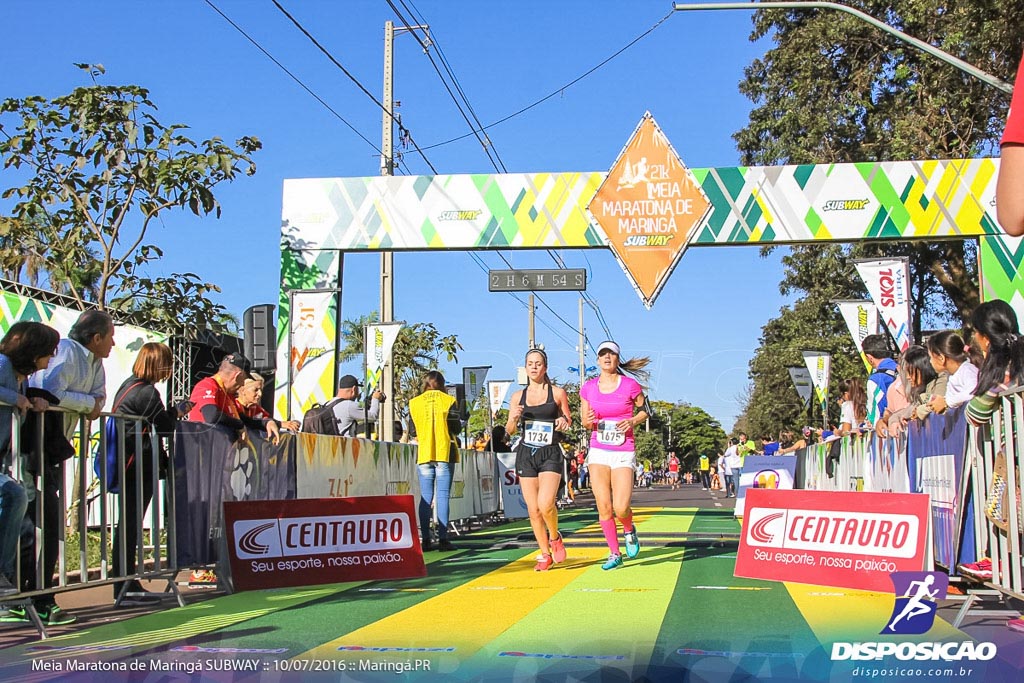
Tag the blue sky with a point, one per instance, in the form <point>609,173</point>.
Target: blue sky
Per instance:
<point>202,72</point>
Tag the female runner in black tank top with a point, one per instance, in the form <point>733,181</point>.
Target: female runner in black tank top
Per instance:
<point>540,412</point>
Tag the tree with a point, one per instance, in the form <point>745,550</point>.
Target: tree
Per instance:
<point>418,349</point>
<point>835,89</point>
<point>92,171</point>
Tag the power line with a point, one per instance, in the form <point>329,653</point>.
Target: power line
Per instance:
<point>564,87</point>
<point>487,145</point>
<point>406,134</point>
<point>486,270</point>
<point>293,76</point>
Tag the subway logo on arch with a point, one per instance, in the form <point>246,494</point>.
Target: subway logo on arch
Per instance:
<point>856,533</point>
<point>287,536</point>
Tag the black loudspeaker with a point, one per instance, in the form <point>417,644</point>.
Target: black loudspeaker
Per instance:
<point>260,337</point>
<point>458,392</point>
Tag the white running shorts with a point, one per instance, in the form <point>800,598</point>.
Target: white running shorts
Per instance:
<point>612,459</point>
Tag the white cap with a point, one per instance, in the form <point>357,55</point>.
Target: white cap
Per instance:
<point>611,346</point>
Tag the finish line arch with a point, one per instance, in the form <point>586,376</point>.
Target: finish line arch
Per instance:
<point>323,218</point>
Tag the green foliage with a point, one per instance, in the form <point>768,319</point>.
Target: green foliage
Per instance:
<point>418,349</point>
<point>649,446</point>
<point>91,171</point>
<point>834,89</point>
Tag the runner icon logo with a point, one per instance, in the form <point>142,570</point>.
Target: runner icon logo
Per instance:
<point>916,595</point>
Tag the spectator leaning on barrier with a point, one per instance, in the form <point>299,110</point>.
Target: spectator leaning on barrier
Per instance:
<point>922,383</point>
<point>348,411</point>
<point>883,372</point>
<point>249,403</point>
<point>998,337</point>
<point>213,400</point>
<point>26,348</point>
<point>949,354</point>
<point>853,406</point>
<point>138,396</point>
<point>77,380</point>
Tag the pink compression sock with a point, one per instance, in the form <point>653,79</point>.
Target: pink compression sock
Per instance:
<point>627,522</point>
<point>611,535</point>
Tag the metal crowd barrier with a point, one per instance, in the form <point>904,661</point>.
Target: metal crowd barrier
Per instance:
<point>93,502</point>
<point>997,494</point>
<point>868,463</point>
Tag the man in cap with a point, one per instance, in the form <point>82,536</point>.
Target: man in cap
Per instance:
<point>347,410</point>
<point>213,399</point>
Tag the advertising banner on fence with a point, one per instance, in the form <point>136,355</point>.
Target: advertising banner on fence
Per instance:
<point>769,472</point>
<point>378,342</point>
<point>861,319</point>
<point>936,462</point>
<point>888,283</point>
<point>511,493</point>
<point>287,543</point>
<point>209,469</point>
<point>311,342</point>
<point>832,538</point>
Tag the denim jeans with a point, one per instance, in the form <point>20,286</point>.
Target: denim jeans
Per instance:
<point>441,473</point>
<point>13,503</point>
<point>736,482</point>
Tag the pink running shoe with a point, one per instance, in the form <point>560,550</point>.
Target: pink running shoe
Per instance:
<point>558,550</point>
<point>543,564</point>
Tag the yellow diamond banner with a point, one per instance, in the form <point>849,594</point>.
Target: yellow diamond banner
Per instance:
<point>649,207</point>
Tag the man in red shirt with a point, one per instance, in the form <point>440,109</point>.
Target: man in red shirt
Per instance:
<point>214,399</point>
<point>673,470</point>
<point>1010,183</point>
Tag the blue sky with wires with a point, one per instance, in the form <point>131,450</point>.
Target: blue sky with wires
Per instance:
<point>546,78</point>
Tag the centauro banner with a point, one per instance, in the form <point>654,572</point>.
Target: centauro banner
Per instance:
<point>832,538</point>
<point>888,283</point>
<point>861,319</point>
<point>819,364</point>
<point>378,342</point>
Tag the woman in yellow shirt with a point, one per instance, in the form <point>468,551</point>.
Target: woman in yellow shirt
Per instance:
<point>435,416</point>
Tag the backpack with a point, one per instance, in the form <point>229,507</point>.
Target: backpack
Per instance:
<point>110,429</point>
<point>320,419</point>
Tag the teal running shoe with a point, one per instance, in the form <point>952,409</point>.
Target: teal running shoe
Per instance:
<point>614,562</point>
<point>632,544</point>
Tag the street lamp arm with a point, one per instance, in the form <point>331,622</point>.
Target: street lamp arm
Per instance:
<point>984,76</point>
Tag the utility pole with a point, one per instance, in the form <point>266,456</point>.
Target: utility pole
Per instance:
<point>386,417</point>
<point>583,341</point>
<point>533,339</point>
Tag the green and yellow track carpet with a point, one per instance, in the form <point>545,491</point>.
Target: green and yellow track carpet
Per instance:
<point>675,613</point>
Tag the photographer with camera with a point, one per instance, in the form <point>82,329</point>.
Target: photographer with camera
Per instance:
<point>347,410</point>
